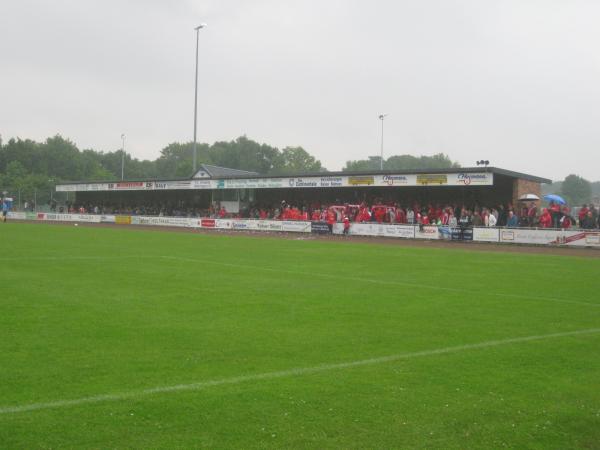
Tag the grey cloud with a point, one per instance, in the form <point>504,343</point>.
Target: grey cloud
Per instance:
<point>513,81</point>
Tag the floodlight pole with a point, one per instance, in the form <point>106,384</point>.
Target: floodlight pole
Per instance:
<point>198,28</point>
<point>381,117</point>
<point>122,157</point>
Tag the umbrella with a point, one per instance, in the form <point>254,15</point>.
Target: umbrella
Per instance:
<point>528,197</point>
<point>555,198</point>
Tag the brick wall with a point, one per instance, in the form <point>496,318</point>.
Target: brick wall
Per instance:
<point>522,187</point>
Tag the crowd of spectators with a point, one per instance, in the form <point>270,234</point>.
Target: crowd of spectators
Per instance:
<point>526,215</point>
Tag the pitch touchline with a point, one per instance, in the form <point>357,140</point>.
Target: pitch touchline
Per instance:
<point>370,280</point>
<point>282,373</point>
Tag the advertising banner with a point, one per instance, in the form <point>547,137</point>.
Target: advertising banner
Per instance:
<point>486,234</point>
<point>461,234</point>
<point>296,226</point>
<point>572,238</point>
<point>207,223</point>
<point>224,224</point>
<point>71,217</point>
<point>583,239</point>
<point>17,215</point>
<point>427,232</point>
<point>324,181</point>
<point>319,227</point>
<point>455,233</point>
<point>530,236</point>
<point>575,238</point>
<point>243,224</point>
<point>269,225</point>
<point>161,221</point>
<point>108,219</point>
<point>377,229</point>
<point>123,220</point>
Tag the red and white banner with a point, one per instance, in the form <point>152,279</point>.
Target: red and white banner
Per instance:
<point>427,232</point>
<point>575,238</point>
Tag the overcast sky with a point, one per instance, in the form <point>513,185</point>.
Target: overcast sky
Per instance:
<point>516,82</point>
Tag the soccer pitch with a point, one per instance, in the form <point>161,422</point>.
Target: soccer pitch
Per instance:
<point>120,338</point>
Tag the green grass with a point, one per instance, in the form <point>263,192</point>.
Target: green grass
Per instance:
<point>90,311</point>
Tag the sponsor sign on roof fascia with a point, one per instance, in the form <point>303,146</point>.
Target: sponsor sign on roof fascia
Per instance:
<point>325,181</point>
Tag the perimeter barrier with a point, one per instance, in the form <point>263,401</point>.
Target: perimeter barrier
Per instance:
<point>553,237</point>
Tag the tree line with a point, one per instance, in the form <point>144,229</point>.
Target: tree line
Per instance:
<point>574,189</point>
<point>28,167</point>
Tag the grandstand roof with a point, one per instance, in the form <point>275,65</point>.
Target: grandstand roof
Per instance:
<point>207,171</point>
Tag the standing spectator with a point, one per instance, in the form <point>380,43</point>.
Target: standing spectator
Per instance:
<point>566,221</point>
<point>545,219</point>
<point>524,212</point>
<point>556,214</point>
<point>531,214</point>
<point>452,222</point>
<point>477,220</point>
<point>410,216</point>
<point>594,213</point>
<point>346,225</point>
<point>491,220</point>
<point>330,220</point>
<point>392,215</point>
<point>502,216</point>
<point>513,220</point>
<point>582,213</point>
<point>588,221</point>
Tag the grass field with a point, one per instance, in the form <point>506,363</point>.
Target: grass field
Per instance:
<point>116,338</point>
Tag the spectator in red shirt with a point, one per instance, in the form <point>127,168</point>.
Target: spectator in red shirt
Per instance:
<point>555,214</point>
<point>582,213</point>
<point>380,215</point>
<point>346,225</point>
<point>546,219</point>
<point>330,220</point>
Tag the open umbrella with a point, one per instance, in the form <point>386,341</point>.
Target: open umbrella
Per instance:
<point>528,197</point>
<point>555,198</point>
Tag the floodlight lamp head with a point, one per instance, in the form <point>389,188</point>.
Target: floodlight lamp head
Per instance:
<point>202,25</point>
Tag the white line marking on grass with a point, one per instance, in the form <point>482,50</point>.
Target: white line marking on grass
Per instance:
<point>283,373</point>
<point>379,281</point>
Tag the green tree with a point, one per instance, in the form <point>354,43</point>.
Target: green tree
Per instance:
<point>298,160</point>
<point>576,190</point>
<point>245,154</point>
<point>176,159</point>
<point>402,162</point>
